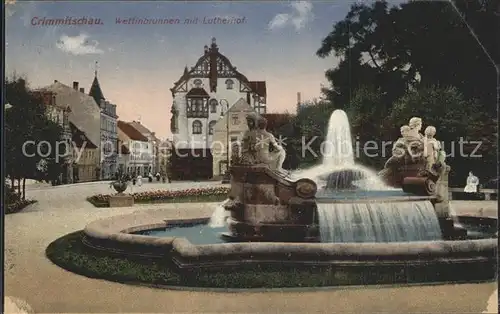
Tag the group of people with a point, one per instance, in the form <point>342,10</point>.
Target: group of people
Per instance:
<point>138,178</point>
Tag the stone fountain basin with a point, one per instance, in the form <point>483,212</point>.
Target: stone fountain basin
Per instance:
<point>115,236</point>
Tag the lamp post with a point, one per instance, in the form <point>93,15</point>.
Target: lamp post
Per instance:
<point>225,103</point>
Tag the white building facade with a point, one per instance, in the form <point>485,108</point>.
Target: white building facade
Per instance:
<point>200,98</point>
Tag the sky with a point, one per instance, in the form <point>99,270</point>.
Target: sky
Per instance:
<point>138,64</point>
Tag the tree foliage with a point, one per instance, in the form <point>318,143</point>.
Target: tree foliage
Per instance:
<point>418,59</point>
<point>368,114</point>
<point>419,44</point>
<point>26,121</point>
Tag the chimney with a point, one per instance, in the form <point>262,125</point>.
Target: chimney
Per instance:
<point>55,81</point>
<point>82,90</point>
<point>75,85</point>
<point>299,100</point>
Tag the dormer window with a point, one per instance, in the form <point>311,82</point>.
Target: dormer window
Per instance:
<point>229,84</point>
<point>213,105</point>
<point>197,83</point>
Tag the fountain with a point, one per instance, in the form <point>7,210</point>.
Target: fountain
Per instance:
<point>338,168</point>
<point>400,216</point>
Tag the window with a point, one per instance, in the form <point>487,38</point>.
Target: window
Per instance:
<point>229,84</point>
<point>197,127</point>
<point>199,105</point>
<point>234,139</point>
<point>235,119</point>
<point>197,83</point>
<point>211,127</point>
<point>213,105</point>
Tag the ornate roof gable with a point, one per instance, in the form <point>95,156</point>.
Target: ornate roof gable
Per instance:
<point>211,65</point>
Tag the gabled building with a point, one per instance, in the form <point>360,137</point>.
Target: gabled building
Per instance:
<point>200,97</point>
<point>85,156</point>
<point>153,140</point>
<point>140,159</point>
<point>124,165</point>
<point>84,113</point>
<point>228,129</point>
<point>59,113</point>
<point>108,131</point>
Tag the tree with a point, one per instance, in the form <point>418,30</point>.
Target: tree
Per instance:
<point>418,44</point>
<point>457,120</point>
<point>26,121</point>
<point>307,126</point>
<point>367,114</point>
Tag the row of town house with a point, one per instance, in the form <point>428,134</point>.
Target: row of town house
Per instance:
<point>91,124</point>
<point>210,103</point>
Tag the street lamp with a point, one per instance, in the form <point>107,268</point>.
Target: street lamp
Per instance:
<point>8,106</point>
<point>225,103</point>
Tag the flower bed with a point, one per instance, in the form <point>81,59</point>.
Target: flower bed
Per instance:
<point>17,206</point>
<point>166,196</point>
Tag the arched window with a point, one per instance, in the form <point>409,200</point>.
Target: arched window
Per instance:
<point>211,127</point>
<point>197,83</point>
<point>213,105</point>
<point>229,84</point>
<point>197,127</point>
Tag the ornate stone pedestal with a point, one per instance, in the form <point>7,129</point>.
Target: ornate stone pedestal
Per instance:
<point>266,206</point>
<point>121,200</point>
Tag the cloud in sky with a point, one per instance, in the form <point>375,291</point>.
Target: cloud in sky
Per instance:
<point>298,17</point>
<point>78,45</point>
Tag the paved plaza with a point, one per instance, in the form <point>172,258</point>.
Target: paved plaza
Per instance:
<point>30,278</point>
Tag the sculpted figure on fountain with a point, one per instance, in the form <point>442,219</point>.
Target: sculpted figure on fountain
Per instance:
<point>414,154</point>
<point>248,153</point>
<point>259,146</point>
<point>433,152</point>
<point>265,141</point>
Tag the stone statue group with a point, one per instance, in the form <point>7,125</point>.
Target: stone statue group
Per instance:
<point>259,146</point>
<point>413,149</point>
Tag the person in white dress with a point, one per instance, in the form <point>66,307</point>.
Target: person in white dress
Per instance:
<point>472,183</point>
<point>139,180</point>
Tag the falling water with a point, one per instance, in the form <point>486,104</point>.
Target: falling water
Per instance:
<point>219,216</point>
<point>378,222</point>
